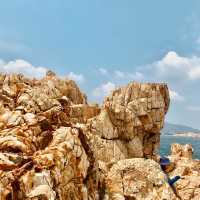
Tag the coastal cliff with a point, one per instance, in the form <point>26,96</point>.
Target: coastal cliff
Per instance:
<point>55,145</point>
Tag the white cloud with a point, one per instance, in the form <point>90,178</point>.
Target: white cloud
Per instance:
<point>194,108</point>
<point>76,77</point>
<point>26,68</point>
<point>119,74</point>
<point>136,76</point>
<point>175,96</point>
<point>172,66</point>
<point>195,73</point>
<point>104,89</point>
<point>22,66</point>
<point>127,75</point>
<point>103,71</point>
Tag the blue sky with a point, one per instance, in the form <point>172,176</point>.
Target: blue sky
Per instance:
<point>105,43</point>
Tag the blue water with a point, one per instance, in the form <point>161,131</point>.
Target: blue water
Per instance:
<point>166,142</point>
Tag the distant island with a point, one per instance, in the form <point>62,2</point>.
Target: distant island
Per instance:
<point>180,130</point>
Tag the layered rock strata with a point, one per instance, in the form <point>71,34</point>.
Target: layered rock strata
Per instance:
<point>54,145</point>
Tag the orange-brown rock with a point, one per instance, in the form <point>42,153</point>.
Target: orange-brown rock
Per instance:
<point>188,187</point>
<point>138,178</point>
<point>54,145</point>
<point>129,123</point>
<point>41,155</point>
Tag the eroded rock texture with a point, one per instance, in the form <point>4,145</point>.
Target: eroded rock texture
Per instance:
<point>181,157</point>
<point>138,178</point>
<point>129,123</point>
<point>41,153</point>
<point>54,145</point>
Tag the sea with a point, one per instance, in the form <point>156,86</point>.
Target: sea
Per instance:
<point>167,140</point>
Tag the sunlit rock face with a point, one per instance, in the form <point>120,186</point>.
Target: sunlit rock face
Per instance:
<point>54,145</point>
<point>129,123</point>
<point>189,186</point>
<point>182,151</point>
<point>41,153</point>
<point>138,178</point>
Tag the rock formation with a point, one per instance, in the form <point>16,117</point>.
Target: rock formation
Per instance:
<point>54,145</point>
<point>138,178</point>
<point>129,123</point>
<point>41,155</point>
<point>181,157</point>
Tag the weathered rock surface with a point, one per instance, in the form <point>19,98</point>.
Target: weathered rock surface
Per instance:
<point>41,154</point>
<point>54,145</point>
<point>189,186</point>
<point>129,123</point>
<point>138,178</point>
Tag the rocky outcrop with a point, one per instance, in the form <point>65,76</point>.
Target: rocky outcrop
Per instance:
<point>129,123</point>
<point>182,151</point>
<point>54,145</point>
<point>41,153</point>
<point>188,187</point>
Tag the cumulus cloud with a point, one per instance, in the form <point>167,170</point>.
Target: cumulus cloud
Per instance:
<point>26,68</point>
<point>175,96</point>
<point>172,67</point>
<point>104,89</point>
<point>103,71</point>
<point>22,66</point>
<point>76,77</point>
<point>175,67</point>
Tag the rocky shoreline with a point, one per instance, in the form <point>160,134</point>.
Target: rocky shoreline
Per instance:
<point>54,145</point>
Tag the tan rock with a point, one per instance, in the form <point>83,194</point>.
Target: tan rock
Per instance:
<point>126,126</point>
<point>179,150</point>
<point>138,178</point>
<point>189,170</point>
<point>54,145</point>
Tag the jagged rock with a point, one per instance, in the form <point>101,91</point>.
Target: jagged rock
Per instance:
<point>54,145</point>
<point>60,169</point>
<point>80,113</point>
<point>129,123</point>
<point>39,158</point>
<point>189,186</point>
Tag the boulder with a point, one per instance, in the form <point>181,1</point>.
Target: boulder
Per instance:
<point>138,178</point>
